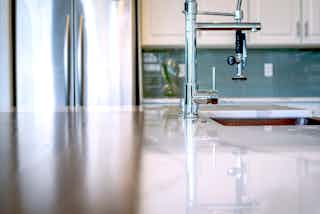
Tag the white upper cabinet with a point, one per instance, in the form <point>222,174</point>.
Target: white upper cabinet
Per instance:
<point>281,22</point>
<point>284,22</point>
<point>311,21</point>
<point>162,22</point>
<point>218,38</point>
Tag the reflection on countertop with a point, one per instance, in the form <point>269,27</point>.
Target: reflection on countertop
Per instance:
<point>69,162</point>
<point>203,167</point>
<point>149,160</point>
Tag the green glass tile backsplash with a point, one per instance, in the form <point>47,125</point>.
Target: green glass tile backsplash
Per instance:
<point>296,73</point>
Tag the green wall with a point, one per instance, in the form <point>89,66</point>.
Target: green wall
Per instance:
<point>296,73</point>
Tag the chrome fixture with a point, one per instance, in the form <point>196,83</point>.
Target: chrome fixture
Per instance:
<point>192,97</point>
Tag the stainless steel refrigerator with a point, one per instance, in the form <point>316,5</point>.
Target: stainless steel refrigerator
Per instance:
<point>74,53</point>
<point>6,87</point>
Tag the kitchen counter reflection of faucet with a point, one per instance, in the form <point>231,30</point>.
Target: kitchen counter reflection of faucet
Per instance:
<point>192,97</point>
<point>196,167</point>
<point>148,160</point>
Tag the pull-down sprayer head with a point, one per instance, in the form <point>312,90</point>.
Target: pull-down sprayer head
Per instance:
<point>240,58</point>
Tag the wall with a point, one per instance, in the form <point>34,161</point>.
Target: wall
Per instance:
<point>296,73</point>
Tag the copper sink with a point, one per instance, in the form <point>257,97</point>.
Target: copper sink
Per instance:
<point>267,121</point>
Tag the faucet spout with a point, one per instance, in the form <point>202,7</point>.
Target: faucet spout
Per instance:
<point>245,26</point>
<point>192,96</point>
<point>239,4</point>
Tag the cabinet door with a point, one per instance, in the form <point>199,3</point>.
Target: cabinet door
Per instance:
<point>280,21</point>
<point>218,38</point>
<point>162,22</point>
<point>311,21</point>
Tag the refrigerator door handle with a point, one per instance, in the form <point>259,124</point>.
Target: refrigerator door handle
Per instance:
<point>67,63</point>
<point>80,73</point>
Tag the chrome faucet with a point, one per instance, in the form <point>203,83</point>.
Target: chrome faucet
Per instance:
<point>192,96</point>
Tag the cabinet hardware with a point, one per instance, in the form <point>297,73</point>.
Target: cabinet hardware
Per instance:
<point>306,29</point>
<point>298,28</point>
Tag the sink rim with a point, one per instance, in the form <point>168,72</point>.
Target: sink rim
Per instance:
<point>236,122</point>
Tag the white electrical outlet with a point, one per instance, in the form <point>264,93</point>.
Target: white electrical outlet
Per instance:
<point>268,69</point>
<point>182,69</point>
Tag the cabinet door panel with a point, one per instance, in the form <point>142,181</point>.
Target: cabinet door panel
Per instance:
<point>280,21</point>
<point>311,20</point>
<point>162,22</point>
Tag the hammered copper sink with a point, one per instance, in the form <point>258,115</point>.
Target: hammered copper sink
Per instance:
<point>267,121</point>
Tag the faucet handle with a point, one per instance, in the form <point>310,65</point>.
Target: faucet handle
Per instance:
<point>231,60</point>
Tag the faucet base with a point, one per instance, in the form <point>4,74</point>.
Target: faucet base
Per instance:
<point>190,116</point>
<point>190,111</point>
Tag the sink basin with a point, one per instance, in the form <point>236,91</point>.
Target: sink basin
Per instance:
<point>257,111</point>
<point>267,121</point>
<point>262,115</point>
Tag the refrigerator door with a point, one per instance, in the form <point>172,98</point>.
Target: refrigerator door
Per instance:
<point>6,86</point>
<point>43,53</point>
<point>104,52</point>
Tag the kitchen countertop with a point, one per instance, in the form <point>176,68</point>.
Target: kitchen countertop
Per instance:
<point>149,160</point>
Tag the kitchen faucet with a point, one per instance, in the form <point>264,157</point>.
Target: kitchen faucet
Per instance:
<point>192,96</point>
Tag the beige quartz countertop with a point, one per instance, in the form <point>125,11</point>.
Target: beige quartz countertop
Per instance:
<point>150,160</point>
